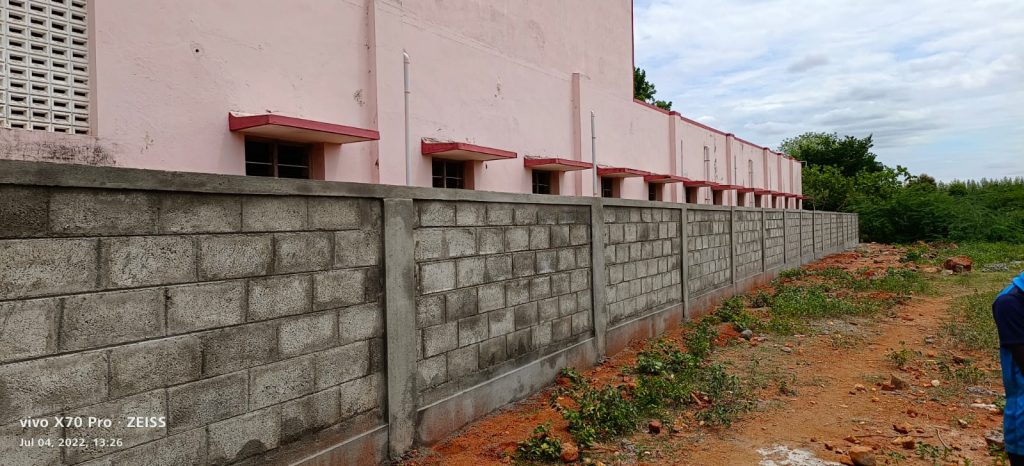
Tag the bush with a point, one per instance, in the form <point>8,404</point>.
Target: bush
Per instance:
<point>541,446</point>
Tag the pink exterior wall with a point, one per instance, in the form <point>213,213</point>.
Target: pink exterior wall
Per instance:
<point>521,76</point>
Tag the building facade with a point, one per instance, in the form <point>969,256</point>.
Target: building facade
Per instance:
<point>509,96</point>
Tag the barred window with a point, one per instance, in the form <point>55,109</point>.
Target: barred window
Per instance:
<point>44,67</point>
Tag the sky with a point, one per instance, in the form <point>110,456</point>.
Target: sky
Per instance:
<point>939,84</point>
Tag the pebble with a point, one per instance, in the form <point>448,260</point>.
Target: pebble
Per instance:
<point>786,349</point>
<point>936,383</point>
<point>862,456</point>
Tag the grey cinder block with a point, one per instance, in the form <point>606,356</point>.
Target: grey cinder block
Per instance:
<point>231,256</point>
<point>472,330</point>
<point>147,260</point>
<point>149,404</point>
<point>437,276</point>
<point>339,213</point>
<point>432,371</point>
<point>273,213</point>
<point>339,365</point>
<point>360,323</point>
<point>205,305</point>
<point>284,295</point>
<point>280,381</point>
<point>206,401</point>
<point>461,303</point>
<point>114,317</point>
<point>436,213</point>
<point>102,212</point>
<point>440,339</point>
<point>337,288</point>
<point>154,364</point>
<point>463,361</point>
<point>240,437</point>
<point>240,347</point>
<point>302,252</point>
<point>357,248</point>
<point>47,266</point>
<point>200,213</point>
<point>309,414</point>
<point>29,330</point>
<point>23,211</point>
<point>47,385</point>
<point>304,334</point>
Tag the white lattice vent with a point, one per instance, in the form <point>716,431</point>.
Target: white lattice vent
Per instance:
<point>44,67</point>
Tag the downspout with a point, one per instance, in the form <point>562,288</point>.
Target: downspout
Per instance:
<point>408,144</point>
<point>593,154</point>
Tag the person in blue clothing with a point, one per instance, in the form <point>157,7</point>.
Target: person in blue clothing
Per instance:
<point>1008,312</point>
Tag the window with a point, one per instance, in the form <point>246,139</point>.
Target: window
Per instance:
<point>719,198</point>
<point>608,188</point>
<point>449,174</point>
<point>542,182</point>
<point>692,195</point>
<point>653,192</point>
<point>44,70</point>
<point>278,159</point>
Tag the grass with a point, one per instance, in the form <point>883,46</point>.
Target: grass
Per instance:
<point>980,253</point>
<point>970,322</point>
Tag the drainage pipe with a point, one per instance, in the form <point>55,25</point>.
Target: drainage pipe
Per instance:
<point>593,154</point>
<point>408,143</point>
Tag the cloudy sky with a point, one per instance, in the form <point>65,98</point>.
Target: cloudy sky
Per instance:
<point>940,84</point>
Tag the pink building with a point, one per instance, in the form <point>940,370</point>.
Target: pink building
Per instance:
<point>500,97</point>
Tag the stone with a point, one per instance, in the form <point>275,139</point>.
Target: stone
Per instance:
<point>154,364</point>
<point>274,213</point>
<point>95,212</point>
<point>240,347</point>
<point>205,305</point>
<point>862,456</point>
<point>29,328</point>
<point>281,381</point>
<point>23,211</point>
<point>305,334</point>
<point>360,395</point>
<point>906,442</point>
<point>340,288</point>
<point>102,319</point>
<point>902,428</point>
<point>206,401</point>
<point>437,276</point>
<point>38,267</point>
<point>360,323</point>
<point>231,256</point>
<point>339,213</point>
<point>309,414</point>
<point>52,384</point>
<point>994,439</point>
<point>654,427</point>
<point>199,213</point>
<point>958,264</point>
<point>342,364</point>
<point>747,334</point>
<point>147,260</point>
<point>279,296</point>
<point>898,383</point>
<point>240,437</point>
<point>302,252</point>
<point>149,404</point>
<point>570,453</point>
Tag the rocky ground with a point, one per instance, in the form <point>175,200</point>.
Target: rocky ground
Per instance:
<point>892,388</point>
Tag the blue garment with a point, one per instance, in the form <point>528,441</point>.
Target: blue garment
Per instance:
<point>1008,312</point>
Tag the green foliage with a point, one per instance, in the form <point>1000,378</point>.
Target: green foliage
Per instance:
<point>541,446</point>
<point>699,341</point>
<point>601,414</point>
<point>985,253</point>
<point>794,306</point>
<point>848,154</point>
<point>644,90</point>
<point>971,324</point>
<point>842,174</point>
<point>901,357</point>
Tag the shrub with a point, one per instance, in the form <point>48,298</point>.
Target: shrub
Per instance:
<point>541,446</point>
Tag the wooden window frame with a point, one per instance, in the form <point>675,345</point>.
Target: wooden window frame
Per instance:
<point>314,158</point>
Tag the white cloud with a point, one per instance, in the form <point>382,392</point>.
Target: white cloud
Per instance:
<point>934,81</point>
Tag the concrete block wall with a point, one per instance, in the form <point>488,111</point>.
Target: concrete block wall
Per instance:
<point>708,249</point>
<point>808,243</point>
<point>749,248</point>
<point>245,322</point>
<point>300,322</point>
<point>642,260</point>
<point>497,284</point>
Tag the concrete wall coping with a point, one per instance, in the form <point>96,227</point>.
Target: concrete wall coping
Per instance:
<point>33,173</point>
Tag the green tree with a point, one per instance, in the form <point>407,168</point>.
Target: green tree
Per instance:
<point>644,90</point>
<point>849,154</point>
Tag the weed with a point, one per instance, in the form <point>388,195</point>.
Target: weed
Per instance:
<point>792,274</point>
<point>601,414</point>
<point>971,324</point>
<point>962,376</point>
<point>933,453</point>
<point>541,446</point>
<point>761,299</point>
<point>572,374</point>
<point>698,342</point>
<point>896,457</point>
<point>900,358</point>
<point>793,306</point>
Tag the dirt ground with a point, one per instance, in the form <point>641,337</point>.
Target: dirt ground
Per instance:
<point>819,395</point>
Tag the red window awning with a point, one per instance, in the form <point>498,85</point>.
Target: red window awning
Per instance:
<point>463,151</point>
<point>555,164</point>
<point>744,189</point>
<point>662,179</point>
<point>620,172</point>
<point>275,126</point>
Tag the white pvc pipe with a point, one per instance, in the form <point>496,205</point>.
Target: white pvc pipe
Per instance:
<point>593,154</point>
<point>408,143</point>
